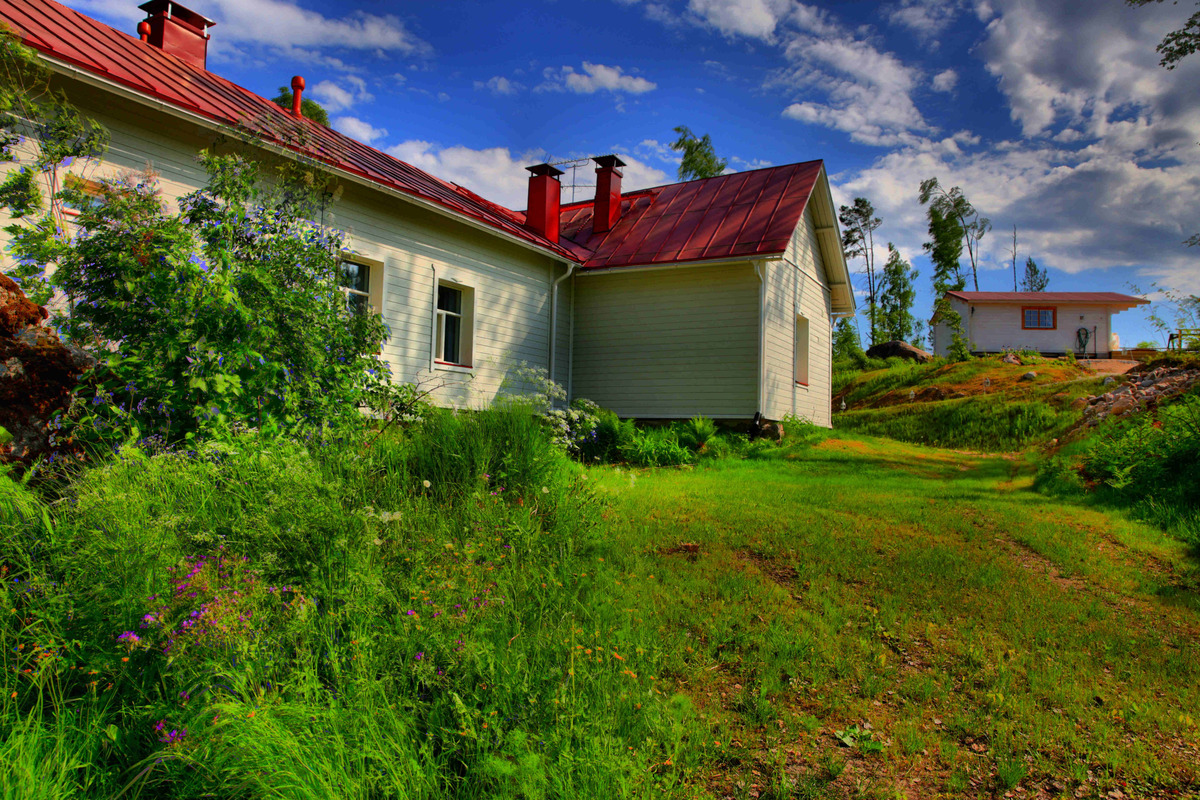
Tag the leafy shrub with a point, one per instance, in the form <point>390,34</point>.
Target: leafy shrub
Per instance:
<point>655,447</point>
<point>611,435</point>
<point>227,314</point>
<point>574,427</point>
<point>696,432</point>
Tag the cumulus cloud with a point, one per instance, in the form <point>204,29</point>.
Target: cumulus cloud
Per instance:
<point>594,78</point>
<point>925,18</point>
<point>500,85</point>
<point>281,24</point>
<point>945,81</point>
<point>850,85</point>
<point>335,97</point>
<point>756,19</point>
<point>356,128</point>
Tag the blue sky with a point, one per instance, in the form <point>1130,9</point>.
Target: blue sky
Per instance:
<point>1052,115</point>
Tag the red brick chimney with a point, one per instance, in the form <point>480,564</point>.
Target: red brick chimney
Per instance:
<point>545,199</point>
<point>608,193</point>
<point>176,30</point>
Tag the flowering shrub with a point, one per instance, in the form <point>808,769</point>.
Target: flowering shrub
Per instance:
<point>227,314</point>
<point>573,428</point>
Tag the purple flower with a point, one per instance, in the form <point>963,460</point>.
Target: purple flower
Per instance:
<point>411,613</point>
<point>420,655</point>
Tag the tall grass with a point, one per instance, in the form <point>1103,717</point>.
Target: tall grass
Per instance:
<point>986,423</point>
<point>430,616</point>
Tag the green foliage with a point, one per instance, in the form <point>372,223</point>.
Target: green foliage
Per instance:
<point>655,447</point>
<point>1035,279</point>
<point>896,295</point>
<point>845,340</point>
<point>310,108</point>
<point>945,249</point>
<point>1179,43</point>
<point>953,204</point>
<point>610,436</point>
<point>696,432</point>
<point>300,591</point>
<point>699,158</point>
<point>985,423</point>
<point>859,224</point>
<point>226,314</point>
<point>1150,462</point>
<point>46,135</point>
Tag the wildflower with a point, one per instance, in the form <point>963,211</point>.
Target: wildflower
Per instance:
<point>545,490</point>
<point>420,655</point>
<point>378,542</point>
<point>426,484</point>
<point>130,639</point>
<point>411,613</point>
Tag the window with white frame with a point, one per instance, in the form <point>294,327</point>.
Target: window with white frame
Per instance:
<point>801,346</point>
<point>361,281</point>
<point>455,323</point>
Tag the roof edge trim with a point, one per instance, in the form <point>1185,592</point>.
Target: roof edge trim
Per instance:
<point>86,76</point>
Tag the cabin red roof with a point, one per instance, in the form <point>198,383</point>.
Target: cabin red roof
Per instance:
<point>1042,298</point>
<point>741,215</point>
<point>81,41</point>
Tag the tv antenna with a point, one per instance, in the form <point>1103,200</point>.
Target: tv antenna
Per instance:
<point>573,164</point>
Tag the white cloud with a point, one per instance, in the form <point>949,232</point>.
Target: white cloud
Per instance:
<point>280,24</point>
<point>595,78</point>
<point>945,81</point>
<point>926,18</point>
<point>335,97</point>
<point>500,85</point>
<point>756,19</point>
<point>356,128</point>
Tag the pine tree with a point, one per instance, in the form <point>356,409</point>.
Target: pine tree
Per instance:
<point>699,158</point>
<point>845,340</point>
<point>859,224</point>
<point>1036,279</point>
<point>896,296</point>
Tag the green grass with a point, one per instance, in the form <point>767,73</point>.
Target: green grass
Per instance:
<point>989,636</point>
<point>836,617</point>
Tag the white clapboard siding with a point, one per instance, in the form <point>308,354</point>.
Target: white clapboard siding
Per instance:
<point>993,327</point>
<point>511,284</point>
<point>797,285</point>
<point>998,327</point>
<point>668,344</point>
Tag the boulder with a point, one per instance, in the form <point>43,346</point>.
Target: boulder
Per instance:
<point>1109,381</point>
<point>899,349</point>
<point>1029,376</point>
<point>38,374</point>
<point>1011,358</point>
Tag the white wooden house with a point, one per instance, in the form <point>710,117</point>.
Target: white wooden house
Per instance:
<point>711,297</point>
<point>1051,323</point>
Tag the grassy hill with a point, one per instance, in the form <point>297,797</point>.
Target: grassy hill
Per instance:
<point>980,404</point>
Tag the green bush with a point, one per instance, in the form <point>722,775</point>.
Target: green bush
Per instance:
<point>696,432</point>
<point>655,447</point>
<point>611,434</point>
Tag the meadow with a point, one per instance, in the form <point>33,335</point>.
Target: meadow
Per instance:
<point>462,611</point>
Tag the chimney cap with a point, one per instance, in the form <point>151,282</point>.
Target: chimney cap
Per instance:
<point>297,83</point>
<point>544,169</point>
<point>178,13</point>
<point>608,162</point>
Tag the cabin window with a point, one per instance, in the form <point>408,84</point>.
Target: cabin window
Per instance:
<point>802,348</point>
<point>356,285</point>
<point>361,281</point>
<point>85,193</point>
<point>455,320</point>
<point>1038,319</point>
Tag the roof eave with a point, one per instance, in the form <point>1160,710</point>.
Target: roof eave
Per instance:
<point>86,76</point>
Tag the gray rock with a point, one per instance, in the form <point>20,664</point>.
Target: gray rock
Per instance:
<point>901,350</point>
<point>1109,381</point>
<point>1029,376</point>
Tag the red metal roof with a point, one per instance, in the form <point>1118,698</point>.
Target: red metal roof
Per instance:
<point>1036,298</point>
<point>741,215</point>
<point>79,40</point>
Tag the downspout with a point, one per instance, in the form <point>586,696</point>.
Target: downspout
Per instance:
<point>554,312</point>
<point>762,299</point>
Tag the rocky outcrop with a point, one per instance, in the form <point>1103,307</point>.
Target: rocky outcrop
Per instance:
<point>899,349</point>
<point>1145,389</point>
<point>37,376</point>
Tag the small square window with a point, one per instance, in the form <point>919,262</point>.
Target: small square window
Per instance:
<point>1038,319</point>
<point>801,351</point>
<point>356,285</point>
<point>454,323</point>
